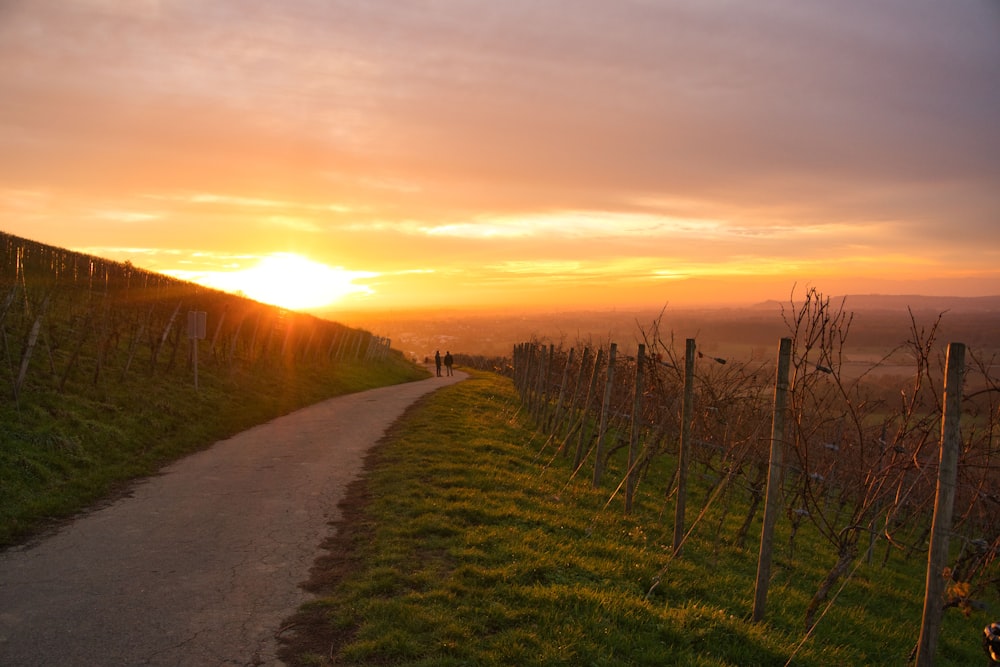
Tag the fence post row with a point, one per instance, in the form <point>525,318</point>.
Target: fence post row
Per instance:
<point>575,414</point>
<point>99,315</point>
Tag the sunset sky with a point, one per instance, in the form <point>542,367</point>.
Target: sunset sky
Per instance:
<point>553,153</point>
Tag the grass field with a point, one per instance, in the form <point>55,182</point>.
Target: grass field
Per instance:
<point>60,451</point>
<point>468,543</point>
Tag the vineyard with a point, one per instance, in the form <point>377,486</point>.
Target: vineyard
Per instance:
<point>95,351</point>
<point>136,321</point>
<point>867,464</point>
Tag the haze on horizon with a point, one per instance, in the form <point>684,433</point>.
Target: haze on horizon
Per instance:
<point>548,154</point>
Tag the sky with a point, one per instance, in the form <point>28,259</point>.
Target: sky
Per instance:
<point>552,154</point>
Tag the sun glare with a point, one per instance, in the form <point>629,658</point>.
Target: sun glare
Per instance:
<point>292,281</point>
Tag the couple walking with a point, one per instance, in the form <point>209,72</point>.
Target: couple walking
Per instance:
<point>448,361</point>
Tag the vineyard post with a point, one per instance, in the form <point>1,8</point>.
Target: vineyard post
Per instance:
<point>529,377</point>
<point>633,445</point>
<point>554,421</point>
<point>342,337</point>
<point>540,384</point>
<point>573,401</point>
<point>331,348</point>
<point>359,345</point>
<point>518,356</point>
<point>555,427</point>
<point>309,346</point>
<point>163,338</point>
<point>356,353</point>
<point>345,341</point>
<point>772,495</point>
<point>537,382</point>
<point>370,348</point>
<point>937,555</point>
<point>36,327</point>
<point>516,361</point>
<point>585,408</point>
<point>218,330</point>
<point>684,448</point>
<point>541,418</point>
<point>529,361</point>
<point>605,413</point>
<point>549,367</point>
<point>235,340</point>
<point>137,333</point>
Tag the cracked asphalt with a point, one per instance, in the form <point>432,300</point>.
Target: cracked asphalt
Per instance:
<point>200,564</point>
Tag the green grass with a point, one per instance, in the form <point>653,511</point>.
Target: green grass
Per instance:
<point>470,548</point>
<point>62,451</point>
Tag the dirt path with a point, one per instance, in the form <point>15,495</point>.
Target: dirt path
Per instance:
<point>199,565</point>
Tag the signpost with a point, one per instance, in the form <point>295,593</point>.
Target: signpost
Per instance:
<point>197,327</point>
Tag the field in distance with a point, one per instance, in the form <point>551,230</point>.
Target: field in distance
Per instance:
<point>880,324</point>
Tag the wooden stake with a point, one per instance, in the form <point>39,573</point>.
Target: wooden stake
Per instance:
<point>773,494</point>
<point>633,446</point>
<point>605,410</point>
<point>684,448</point>
<point>937,556</point>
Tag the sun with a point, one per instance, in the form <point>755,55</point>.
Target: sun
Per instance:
<point>292,281</point>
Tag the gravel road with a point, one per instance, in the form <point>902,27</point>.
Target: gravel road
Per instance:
<point>198,565</point>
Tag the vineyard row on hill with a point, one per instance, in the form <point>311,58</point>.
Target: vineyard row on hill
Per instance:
<point>859,457</point>
<point>66,316</point>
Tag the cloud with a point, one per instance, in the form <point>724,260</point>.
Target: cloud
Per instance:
<point>648,138</point>
<point>127,217</point>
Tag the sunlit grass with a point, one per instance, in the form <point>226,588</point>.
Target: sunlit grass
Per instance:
<point>480,551</point>
<point>61,451</point>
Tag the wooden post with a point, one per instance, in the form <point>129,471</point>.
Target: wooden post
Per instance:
<point>542,416</point>
<point>605,409</point>
<point>520,361</point>
<point>684,449</point>
<point>554,421</point>
<point>36,327</point>
<point>585,409</point>
<point>633,445</point>
<point>937,556</point>
<point>772,496</point>
<point>571,408</point>
<point>529,376</point>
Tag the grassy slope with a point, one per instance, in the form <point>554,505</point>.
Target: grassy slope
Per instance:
<point>62,451</point>
<point>467,543</point>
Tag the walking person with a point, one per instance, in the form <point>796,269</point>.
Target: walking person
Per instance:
<point>437,361</point>
<point>448,361</point>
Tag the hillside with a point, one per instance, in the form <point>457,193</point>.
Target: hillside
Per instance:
<point>103,383</point>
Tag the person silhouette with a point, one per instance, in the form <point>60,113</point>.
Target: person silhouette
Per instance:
<point>448,361</point>
<point>437,361</point>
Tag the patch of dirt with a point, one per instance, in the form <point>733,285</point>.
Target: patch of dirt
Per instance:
<point>309,634</point>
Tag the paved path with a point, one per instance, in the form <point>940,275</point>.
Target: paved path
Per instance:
<point>201,564</point>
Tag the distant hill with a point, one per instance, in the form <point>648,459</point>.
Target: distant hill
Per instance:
<point>901,302</point>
